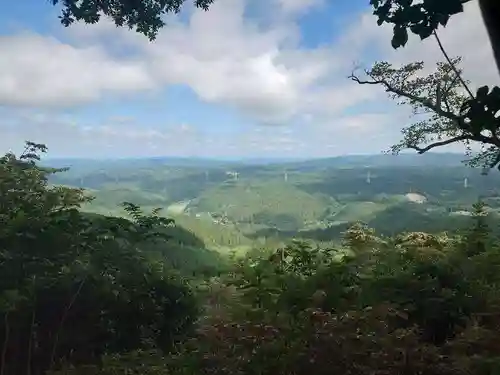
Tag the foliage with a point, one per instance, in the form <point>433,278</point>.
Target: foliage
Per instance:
<point>446,114</point>
<point>478,237</point>
<point>419,307</point>
<point>421,18</point>
<point>74,286</point>
<point>144,16</point>
<point>451,115</point>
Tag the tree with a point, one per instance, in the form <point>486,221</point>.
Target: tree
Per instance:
<point>144,16</point>
<point>75,286</point>
<point>452,113</point>
<point>478,237</point>
<point>447,109</point>
<point>423,18</point>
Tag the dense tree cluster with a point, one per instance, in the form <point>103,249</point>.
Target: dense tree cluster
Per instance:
<point>74,286</point>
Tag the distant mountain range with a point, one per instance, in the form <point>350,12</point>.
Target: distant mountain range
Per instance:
<point>384,160</point>
<point>345,161</point>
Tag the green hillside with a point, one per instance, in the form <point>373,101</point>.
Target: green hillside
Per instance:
<point>272,203</point>
<point>215,236</point>
<point>184,250</point>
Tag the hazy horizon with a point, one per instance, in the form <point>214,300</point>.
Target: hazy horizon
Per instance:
<point>407,153</point>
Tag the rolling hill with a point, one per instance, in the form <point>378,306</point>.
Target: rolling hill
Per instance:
<point>231,204</point>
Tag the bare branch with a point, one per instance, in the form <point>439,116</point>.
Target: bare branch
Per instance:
<point>452,83</point>
<point>421,150</point>
<point>455,70</point>
<point>423,101</point>
<point>438,95</point>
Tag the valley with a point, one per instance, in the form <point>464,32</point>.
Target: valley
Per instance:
<point>238,205</point>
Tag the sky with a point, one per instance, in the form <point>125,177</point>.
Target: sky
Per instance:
<point>248,78</point>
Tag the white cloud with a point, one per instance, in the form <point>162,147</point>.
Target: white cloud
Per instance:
<point>64,136</point>
<point>298,5</point>
<point>226,58</point>
<point>42,71</point>
<point>221,55</point>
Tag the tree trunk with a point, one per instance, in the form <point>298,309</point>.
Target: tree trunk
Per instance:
<point>490,10</point>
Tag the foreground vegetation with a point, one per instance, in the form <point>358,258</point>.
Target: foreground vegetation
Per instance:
<point>88,294</point>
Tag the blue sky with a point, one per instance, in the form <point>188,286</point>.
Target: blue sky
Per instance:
<point>248,78</point>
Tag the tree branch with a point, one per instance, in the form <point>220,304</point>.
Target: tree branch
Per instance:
<point>63,320</point>
<point>455,70</point>
<point>423,101</point>
<point>32,329</point>
<point>452,83</point>
<point>421,150</point>
<point>6,338</point>
<point>459,130</point>
<point>464,137</point>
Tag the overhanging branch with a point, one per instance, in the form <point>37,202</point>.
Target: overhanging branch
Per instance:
<point>453,67</point>
<point>459,138</point>
<point>423,101</point>
<point>421,150</point>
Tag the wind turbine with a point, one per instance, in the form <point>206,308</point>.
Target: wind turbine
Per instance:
<point>368,178</point>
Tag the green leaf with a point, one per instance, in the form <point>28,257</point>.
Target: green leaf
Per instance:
<point>454,6</point>
<point>482,92</point>
<point>425,32</point>
<point>443,20</point>
<point>404,3</point>
<point>400,37</point>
